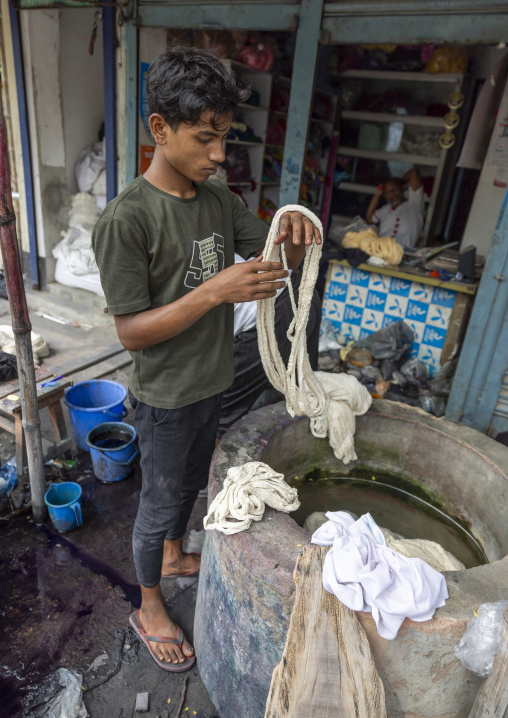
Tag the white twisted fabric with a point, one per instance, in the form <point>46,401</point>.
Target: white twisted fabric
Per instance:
<point>331,401</point>
<point>246,490</point>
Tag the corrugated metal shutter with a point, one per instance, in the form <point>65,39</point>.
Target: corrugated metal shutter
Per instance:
<point>500,418</point>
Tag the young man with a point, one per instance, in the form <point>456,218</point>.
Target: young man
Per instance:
<point>165,249</point>
<point>399,218</point>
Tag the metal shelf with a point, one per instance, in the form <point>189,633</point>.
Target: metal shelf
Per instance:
<point>365,189</point>
<point>389,156</point>
<point>421,120</point>
<point>404,76</point>
<point>245,142</point>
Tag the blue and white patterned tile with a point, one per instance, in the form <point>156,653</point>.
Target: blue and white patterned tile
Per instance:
<point>417,311</point>
<point>353,315</point>
<point>434,337</point>
<point>443,297</point>
<point>380,283</point>
<point>350,331</point>
<point>396,306</point>
<point>333,310</point>
<point>439,316</point>
<point>420,292</point>
<point>356,296</point>
<point>376,300</point>
<point>337,291</point>
<point>400,287</point>
<point>360,278</point>
<point>341,273</point>
<point>389,319</point>
<point>431,356</point>
<point>413,352</point>
<point>418,330</point>
<point>373,321</point>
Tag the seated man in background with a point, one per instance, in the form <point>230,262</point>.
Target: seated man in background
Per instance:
<point>250,378</point>
<point>399,218</point>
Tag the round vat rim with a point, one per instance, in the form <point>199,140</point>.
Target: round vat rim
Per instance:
<point>253,439</point>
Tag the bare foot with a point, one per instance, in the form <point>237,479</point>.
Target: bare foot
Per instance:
<point>156,622</point>
<point>178,563</point>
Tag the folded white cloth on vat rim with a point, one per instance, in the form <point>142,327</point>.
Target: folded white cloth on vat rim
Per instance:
<point>242,500</point>
<point>368,576</point>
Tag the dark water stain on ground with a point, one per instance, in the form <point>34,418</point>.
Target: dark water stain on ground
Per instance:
<point>59,602</point>
<point>64,598</point>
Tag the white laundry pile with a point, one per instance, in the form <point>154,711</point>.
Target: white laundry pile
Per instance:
<point>429,551</point>
<point>246,490</point>
<point>366,575</point>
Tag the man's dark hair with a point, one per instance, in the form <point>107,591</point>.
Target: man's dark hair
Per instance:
<point>398,181</point>
<point>185,82</point>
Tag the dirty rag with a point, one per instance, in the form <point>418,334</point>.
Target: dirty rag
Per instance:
<point>368,576</point>
<point>246,490</point>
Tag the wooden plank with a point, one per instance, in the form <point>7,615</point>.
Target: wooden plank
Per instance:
<point>327,669</point>
<point>12,387</point>
<point>86,360</point>
<point>412,275</point>
<point>102,368</point>
<point>492,698</point>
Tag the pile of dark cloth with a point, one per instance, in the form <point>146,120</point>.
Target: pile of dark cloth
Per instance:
<point>382,363</point>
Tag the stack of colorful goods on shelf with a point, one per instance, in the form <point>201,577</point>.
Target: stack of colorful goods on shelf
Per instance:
<point>240,132</point>
<point>267,210</point>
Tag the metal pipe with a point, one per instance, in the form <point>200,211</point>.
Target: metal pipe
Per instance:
<point>109,37</point>
<point>22,329</point>
<point>25,147</point>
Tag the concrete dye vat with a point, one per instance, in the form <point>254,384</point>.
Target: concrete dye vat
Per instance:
<point>246,587</point>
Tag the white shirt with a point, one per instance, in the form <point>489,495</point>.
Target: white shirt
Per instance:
<point>246,312</point>
<point>403,222</point>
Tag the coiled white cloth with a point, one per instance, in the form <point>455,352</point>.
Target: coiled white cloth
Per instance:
<point>242,500</point>
<point>331,401</point>
<point>366,575</point>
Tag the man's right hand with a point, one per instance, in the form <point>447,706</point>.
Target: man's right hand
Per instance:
<point>248,282</point>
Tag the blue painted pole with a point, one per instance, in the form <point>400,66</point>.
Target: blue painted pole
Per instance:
<point>302,88</point>
<point>130,49</point>
<point>25,147</point>
<point>483,332</point>
<point>108,37</point>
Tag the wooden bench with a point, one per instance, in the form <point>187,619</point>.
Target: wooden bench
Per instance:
<point>49,395</point>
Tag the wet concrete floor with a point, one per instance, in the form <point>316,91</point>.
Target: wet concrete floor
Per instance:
<point>65,602</point>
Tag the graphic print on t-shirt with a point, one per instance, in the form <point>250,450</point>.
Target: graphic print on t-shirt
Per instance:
<point>207,260</point>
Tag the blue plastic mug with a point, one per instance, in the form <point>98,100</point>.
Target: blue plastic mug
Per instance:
<point>64,505</point>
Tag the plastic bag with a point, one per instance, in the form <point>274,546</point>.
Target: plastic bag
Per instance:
<point>8,477</point>
<point>89,165</point>
<point>391,342</point>
<point>259,57</point>
<point>63,697</point>
<point>479,645</point>
<point>416,372</point>
<point>237,164</point>
<point>328,336</point>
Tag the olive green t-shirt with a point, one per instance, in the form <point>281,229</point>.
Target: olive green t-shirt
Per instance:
<point>153,248</point>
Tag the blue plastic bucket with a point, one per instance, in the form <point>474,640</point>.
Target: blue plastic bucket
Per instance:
<point>113,449</point>
<point>91,403</point>
<point>64,505</point>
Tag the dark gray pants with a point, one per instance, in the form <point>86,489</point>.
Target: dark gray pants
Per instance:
<point>176,447</point>
<point>250,378</point>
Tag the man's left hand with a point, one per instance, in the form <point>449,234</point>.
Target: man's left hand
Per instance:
<point>296,229</point>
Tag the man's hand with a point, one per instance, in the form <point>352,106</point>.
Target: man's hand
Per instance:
<point>247,282</point>
<point>295,227</point>
<point>296,231</point>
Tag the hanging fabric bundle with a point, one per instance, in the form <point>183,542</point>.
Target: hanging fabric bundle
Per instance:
<point>331,401</point>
